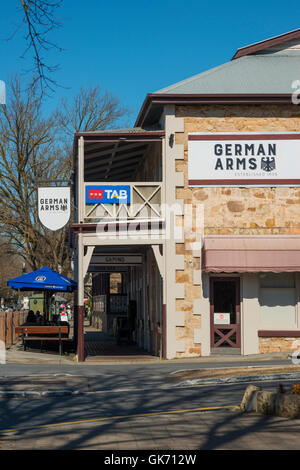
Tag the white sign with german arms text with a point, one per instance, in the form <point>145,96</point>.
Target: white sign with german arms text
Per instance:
<point>54,207</point>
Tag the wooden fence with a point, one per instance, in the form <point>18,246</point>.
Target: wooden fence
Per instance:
<point>8,322</point>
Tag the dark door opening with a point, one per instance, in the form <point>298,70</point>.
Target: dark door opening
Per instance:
<point>225,312</point>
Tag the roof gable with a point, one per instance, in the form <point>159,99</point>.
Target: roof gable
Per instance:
<point>283,41</point>
<point>259,73</point>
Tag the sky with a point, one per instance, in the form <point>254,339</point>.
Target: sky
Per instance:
<point>131,48</point>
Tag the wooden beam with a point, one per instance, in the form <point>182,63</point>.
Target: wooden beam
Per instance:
<point>116,164</point>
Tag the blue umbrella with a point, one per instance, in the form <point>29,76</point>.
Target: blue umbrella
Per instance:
<point>43,279</point>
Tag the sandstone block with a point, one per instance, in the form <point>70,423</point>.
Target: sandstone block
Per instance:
<point>235,206</point>
<point>288,406</point>
<point>265,402</point>
<point>248,401</point>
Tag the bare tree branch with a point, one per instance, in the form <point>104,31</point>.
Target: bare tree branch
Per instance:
<point>29,151</point>
<point>90,110</point>
<point>39,19</point>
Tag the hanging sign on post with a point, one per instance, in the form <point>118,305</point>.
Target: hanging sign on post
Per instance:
<point>54,206</point>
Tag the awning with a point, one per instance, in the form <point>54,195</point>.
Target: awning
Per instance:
<point>43,279</point>
<point>241,253</point>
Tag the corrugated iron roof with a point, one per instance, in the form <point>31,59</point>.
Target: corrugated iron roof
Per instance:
<point>124,130</point>
<point>260,73</point>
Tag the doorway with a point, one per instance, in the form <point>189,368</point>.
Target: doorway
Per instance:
<point>225,312</point>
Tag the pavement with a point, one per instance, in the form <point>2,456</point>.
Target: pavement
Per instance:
<point>101,349</point>
<point>69,378</point>
<point>113,354</point>
<point>15,356</point>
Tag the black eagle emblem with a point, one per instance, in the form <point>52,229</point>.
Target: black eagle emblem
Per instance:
<point>268,164</point>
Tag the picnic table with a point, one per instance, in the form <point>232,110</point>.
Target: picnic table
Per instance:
<point>43,333</point>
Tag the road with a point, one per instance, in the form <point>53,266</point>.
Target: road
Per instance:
<point>124,375</point>
<point>135,408</point>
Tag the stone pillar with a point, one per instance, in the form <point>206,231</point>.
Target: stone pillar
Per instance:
<point>173,261</point>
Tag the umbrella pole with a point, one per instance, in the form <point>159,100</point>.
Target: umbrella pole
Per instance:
<point>49,305</point>
<point>46,305</point>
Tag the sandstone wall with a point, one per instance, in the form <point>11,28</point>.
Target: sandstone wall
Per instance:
<point>242,210</point>
<point>255,211</point>
<point>276,344</point>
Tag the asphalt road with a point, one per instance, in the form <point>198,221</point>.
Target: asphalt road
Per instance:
<point>116,402</point>
<point>135,407</point>
<point>125,375</point>
<point>113,418</point>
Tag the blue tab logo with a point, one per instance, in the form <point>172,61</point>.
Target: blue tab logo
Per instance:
<point>117,194</point>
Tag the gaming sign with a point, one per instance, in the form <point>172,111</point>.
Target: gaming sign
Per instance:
<point>221,159</point>
<point>107,194</point>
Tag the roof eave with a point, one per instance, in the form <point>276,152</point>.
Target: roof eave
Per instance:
<point>119,136</point>
<point>216,98</point>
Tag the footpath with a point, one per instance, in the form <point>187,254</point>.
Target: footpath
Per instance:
<point>102,350</point>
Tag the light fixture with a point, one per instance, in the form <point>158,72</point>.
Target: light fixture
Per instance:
<point>171,140</point>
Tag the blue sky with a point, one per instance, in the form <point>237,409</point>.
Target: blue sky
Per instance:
<point>132,48</point>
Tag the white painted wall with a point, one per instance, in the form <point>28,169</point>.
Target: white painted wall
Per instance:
<point>250,313</point>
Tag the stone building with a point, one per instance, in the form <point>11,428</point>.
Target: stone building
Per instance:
<point>198,208</point>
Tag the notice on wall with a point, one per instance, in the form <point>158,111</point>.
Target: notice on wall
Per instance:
<point>54,206</point>
<point>243,159</point>
<point>222,318</point>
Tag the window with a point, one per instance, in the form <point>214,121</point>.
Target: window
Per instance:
<point>277,300</point>
<point>115,283</point>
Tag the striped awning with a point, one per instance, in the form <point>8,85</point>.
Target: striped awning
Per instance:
<point>241,253</point>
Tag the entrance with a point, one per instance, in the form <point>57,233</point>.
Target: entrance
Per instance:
<point>126,293</point>
<point>225,312</point>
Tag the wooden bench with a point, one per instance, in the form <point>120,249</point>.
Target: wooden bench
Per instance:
<point>43,333</point>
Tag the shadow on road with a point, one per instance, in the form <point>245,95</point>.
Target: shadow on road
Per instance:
<point>118,428</point>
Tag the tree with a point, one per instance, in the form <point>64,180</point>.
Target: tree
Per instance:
<point>39,21</point>
<point>29,152</point>
<point>10,267</point>
<point>90,110</point>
